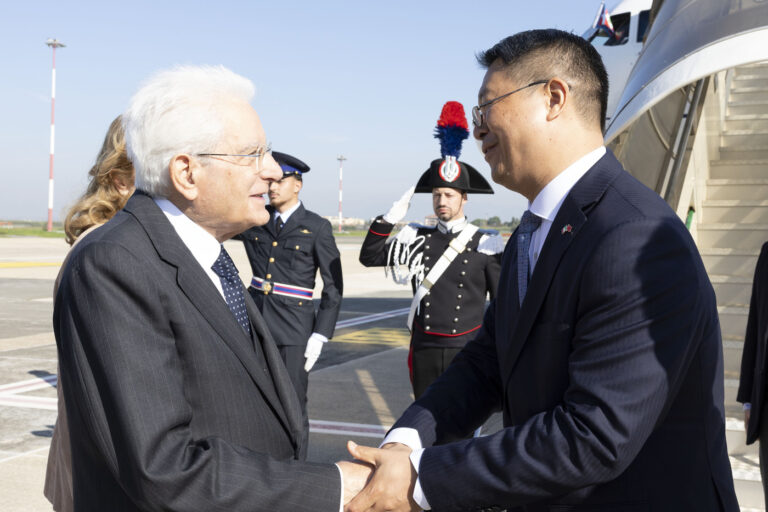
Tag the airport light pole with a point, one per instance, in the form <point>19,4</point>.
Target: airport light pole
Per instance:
<point>341,159</point>
<point>53,44</point>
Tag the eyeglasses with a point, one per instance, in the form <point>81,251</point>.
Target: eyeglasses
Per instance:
<point>257,156</point>
<point>477,114</point>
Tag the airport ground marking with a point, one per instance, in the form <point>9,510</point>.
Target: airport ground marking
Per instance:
<point>25,454</point>
<point>394,337</point>
<point>341,428</point>
<point>26,264</point>
<point>371,318</point>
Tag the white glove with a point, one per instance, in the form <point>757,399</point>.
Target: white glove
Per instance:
<point>314,347</point>
<point>399,207</point>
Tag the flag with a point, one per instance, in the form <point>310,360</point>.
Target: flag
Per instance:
<point>603,21</point>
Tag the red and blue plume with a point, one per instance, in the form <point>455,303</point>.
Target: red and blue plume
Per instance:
<point>451,129</point>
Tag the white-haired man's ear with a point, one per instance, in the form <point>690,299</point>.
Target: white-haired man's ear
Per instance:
<point>183,172</point>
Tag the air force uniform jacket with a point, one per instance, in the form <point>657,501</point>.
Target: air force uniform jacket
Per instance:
<point>452,311</point>
<point>284,267</point>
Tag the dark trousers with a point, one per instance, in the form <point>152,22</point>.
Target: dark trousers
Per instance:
<point>428,365</point>
<point>293,357</point>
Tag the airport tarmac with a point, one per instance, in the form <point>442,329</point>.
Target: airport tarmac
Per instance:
<point>358,388</point>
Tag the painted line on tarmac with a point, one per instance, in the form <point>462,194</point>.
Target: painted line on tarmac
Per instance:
<point>29,402</point>
<point>25,454</point>
<point>25,264</point>
<point>371,318</point>
<point>347,429</point>
<point>28,385</point>
<point>10,394</point>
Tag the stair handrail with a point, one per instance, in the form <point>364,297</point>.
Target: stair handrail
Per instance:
<point>681,155</point>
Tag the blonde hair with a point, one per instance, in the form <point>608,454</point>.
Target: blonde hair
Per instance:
<point>102,200</point>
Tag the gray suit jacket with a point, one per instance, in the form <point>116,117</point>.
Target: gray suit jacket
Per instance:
<point>170,406</point>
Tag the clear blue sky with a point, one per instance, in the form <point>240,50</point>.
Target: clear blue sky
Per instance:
<point>358,78</point>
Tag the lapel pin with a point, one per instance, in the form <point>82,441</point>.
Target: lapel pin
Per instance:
<point>566,229</point>
<point>305,231</point>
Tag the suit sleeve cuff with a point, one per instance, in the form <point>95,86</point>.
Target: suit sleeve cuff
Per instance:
<point>407,436</point>
<point>341,488</point>
<point>410,438</point>
<point>418,493</point>
<point>319,337</point>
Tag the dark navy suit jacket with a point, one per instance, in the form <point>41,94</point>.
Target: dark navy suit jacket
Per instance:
<point>610,375</point>
<point>293,257</point>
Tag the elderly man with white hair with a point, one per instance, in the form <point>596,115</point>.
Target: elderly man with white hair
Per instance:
<point>176,394</point>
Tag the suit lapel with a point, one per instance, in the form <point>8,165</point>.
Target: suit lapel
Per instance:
<point>201,292</point>
<point>569,221</point>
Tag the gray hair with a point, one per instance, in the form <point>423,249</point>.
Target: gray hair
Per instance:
<point>175,111</point>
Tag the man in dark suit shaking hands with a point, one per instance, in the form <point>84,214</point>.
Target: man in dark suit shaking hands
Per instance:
<point>175,391</point>
<point>602,347</point>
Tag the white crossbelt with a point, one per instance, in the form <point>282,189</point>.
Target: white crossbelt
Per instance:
<point>454,248</point>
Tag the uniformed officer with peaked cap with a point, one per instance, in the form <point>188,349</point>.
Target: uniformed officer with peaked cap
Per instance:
<point>285,255</point>
<point>451,266</point>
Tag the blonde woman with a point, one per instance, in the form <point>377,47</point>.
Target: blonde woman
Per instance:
<point>111,184</point>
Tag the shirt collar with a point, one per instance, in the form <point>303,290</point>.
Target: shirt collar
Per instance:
<point>547,203</point>
<point>453,226</point>
<point>203,245</point>
<point>286,214</point>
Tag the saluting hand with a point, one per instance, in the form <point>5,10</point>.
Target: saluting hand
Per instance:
<point>400,207</point>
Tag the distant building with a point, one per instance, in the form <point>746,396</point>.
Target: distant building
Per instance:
<point>346,222</point>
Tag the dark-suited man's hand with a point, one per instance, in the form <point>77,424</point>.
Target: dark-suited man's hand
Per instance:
<point>355,474</point>
<point>391,486</point>
<point>746,419</point>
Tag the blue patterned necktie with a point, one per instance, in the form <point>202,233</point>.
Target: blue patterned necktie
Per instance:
<point>233,288</point>
<point>529,223</point>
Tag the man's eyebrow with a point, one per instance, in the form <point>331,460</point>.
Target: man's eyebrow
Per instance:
<point>252,148</point>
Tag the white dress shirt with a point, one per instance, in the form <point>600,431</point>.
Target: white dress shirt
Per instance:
<point>452,226</point>
<point>545,205</point>
<point>548,202</point>
<point>203,245</point>
<point>286,214</point>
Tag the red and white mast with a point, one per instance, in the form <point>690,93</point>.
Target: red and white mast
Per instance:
<point>53,43</point>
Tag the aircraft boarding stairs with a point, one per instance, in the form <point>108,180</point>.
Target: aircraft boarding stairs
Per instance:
<point>733,226</point>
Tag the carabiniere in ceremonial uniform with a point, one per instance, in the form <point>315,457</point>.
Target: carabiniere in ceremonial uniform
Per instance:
<point>285,255</point>
<point>451,266</point>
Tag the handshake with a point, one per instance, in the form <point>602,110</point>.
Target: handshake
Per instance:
<point>378,479</point>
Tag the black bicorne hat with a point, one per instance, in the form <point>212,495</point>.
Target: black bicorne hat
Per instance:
<point>448,171</point>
